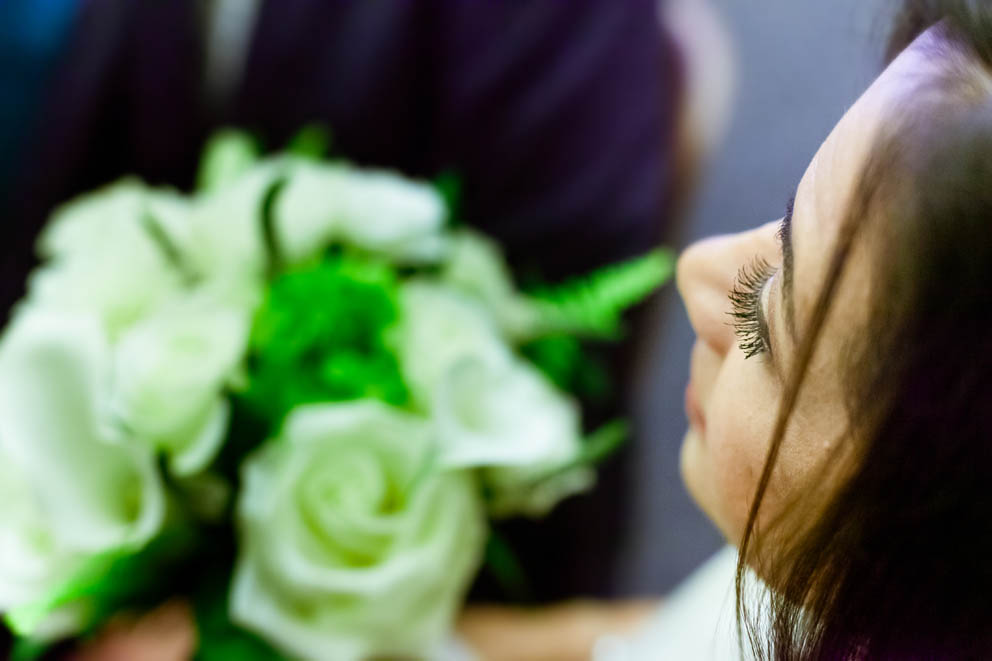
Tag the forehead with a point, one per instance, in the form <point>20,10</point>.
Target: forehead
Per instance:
<point>826,189</point>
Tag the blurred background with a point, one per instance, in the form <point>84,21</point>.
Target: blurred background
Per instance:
<point>684,119</point>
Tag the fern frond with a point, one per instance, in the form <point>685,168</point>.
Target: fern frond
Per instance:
<point>593,304</point>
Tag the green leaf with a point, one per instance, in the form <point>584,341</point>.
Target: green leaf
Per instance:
<point>593,304</point>
<point>228,154</point>
<point>449,186</point>
<point>110,582</point>
<point>313,141</point>
<point>168,249</point>
<point>269,234</point>
<point>502,563</point>
<point>219,639</point>
<point>570,366</point>
<point>249,428</point>
<point>597,447</point>
<point>26,649</point>
<point>602,443</point>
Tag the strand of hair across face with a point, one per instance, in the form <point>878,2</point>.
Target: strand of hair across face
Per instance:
<point>850,228</point>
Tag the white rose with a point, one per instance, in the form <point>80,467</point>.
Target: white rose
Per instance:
<point>308,210</point>
<point>124,255</point>
<point>507,416</point>
<point>493,410</point>
<point>515,425</point>
<point>109,252</point>
<point>379,211</point>
<point>170,372</point>
<point>475,265</point>
<point>72,490</point>
<point>441,327</point>
<point>353,543</point>
<point>225,238</point>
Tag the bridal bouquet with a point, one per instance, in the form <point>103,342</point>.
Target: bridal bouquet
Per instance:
<point>295,397</point>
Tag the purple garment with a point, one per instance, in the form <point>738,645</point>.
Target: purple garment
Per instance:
<point>557,115</point>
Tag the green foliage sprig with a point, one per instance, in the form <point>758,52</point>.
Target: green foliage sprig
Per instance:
<point>593,304</point>
<point>323,334</point>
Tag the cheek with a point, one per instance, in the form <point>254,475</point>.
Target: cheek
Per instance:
<point>722,469</point>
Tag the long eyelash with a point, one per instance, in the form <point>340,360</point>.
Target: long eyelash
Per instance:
<point>745,297</point>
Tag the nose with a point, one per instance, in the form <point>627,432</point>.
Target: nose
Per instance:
<point>707,271</point>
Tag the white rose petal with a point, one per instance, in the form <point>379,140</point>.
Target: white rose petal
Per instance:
<point>309,209</point>
<point>226,237</point>
<point>518,427</point>
<point>396,216</point>
<point>170,370</point>
<point>509,416</point>
<point>354,544</point>
<point>475,265</point>
<point>440,328</point>
<point>379,211</point>
<point>91,223</point>
<point>71,489</point>
<point>30,561</point>
<point>104,258</point>
<point>493,410</point>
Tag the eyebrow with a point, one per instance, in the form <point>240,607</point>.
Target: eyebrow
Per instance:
<point>788,266</point>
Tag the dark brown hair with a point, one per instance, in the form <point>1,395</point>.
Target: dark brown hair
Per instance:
<point>898,563</point>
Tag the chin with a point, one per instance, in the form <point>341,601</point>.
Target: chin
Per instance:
<point>690,466</point>
<point>698,481</point>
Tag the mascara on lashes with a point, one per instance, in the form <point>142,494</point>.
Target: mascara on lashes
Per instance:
<point>748,319</point>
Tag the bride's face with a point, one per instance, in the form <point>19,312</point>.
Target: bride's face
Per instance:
<point>737,378</point>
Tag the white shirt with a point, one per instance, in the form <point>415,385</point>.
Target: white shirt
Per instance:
<point>696,623</point>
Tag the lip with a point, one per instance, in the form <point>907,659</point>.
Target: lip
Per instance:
<point>693,411</point>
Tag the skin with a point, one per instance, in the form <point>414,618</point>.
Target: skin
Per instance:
<point>165,634</point>
<point>735,399</point>
<point>169,633</point>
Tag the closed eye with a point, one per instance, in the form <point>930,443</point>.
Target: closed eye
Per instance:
<point>750,324</point>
